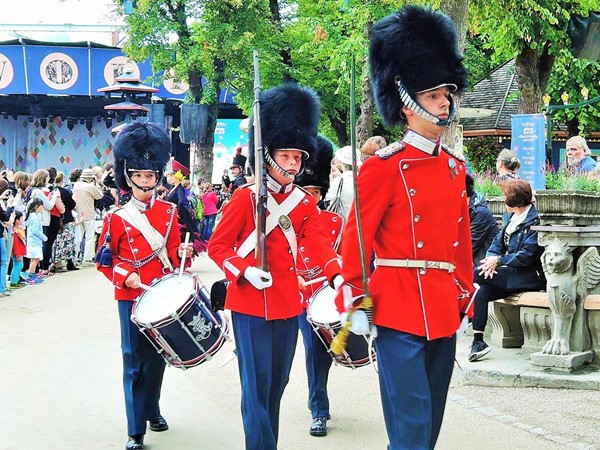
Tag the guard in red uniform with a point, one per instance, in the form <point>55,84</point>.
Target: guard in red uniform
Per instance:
<point>415,217</point>
<point>315,180</point>
<point>265,305</point>
<point>126,258</point>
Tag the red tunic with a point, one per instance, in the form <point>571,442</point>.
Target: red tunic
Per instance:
<point>307,265</point>
<point>282,299</point>
<point>414,206</point>
<point>128,244</point>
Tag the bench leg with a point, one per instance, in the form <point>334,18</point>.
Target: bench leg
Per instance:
<point>537,328</point>
<point>506,325</point>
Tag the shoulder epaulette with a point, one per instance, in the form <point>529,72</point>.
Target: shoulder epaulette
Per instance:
<point>451,153</point>
<point>303,190</point>
<point>166,202</point>
<point>390,150</point>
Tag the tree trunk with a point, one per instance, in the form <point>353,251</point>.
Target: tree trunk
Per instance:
<point>339,123</point>
<point>458,11</point>
<point>533,72</point>
<point>364,125</point>
<point>203,164</point>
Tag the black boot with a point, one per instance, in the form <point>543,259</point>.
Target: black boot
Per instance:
<point>71,265</point>
<point>135,442</point>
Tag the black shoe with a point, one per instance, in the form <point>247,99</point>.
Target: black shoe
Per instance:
<point>478,350</point>
<point>318,427</point>
<point>159,424</point>
<point>135,442</point>
<point>71,266</point>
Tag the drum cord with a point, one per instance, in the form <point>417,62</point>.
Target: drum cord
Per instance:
<point>372,352</point>
<point>137,263</point>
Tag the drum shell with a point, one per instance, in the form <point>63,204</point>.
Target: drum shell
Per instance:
<point>327,325</point>
<point>191,334</point>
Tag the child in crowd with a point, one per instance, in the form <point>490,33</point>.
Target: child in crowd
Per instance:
<point>19,250</point>
<point>35,236</point>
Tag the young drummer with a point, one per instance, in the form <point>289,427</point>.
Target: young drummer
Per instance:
<point>265,305</point>
<point>127,259</point>
<point>315,180</point>
<point>417,222</point>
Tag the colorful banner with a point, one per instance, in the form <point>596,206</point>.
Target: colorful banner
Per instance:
<point>528,142</point>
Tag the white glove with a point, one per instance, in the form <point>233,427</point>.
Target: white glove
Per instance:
<point>258,278</point>
<point>359,323</point>
<point>337,282</point>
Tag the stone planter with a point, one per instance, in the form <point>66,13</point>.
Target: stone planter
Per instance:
<point>570,208</point>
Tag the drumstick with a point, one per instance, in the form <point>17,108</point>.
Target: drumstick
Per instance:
<point>148,288</point>
<point>315,281</point>
<point>187,240</point>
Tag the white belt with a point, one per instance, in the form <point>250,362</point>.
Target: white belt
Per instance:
<point>415,264</point>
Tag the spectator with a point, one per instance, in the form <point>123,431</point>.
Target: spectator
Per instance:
<point>507,166</point>
<point>578,155</point>
<point>177,196</point>
<point>6,218</point>
<point>343,186</point>
<point>484,227</point>
<point>85,192</point>
<point>371,145</point>
<point>22,184</point>
<point>35,236</point>
<point>19,250</point>
<point>50,216</point>
<point>512,263</point>
<point>210,210</point>
<point>237,169</point>
<point>64,249</point>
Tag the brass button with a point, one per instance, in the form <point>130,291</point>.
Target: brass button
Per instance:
<point>417,218</point>
<point>412,192</point>
<point>420,244</point>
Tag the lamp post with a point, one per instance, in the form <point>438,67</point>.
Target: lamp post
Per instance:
<point>551,108</point>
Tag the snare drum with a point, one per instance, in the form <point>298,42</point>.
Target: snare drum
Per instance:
<point>326,322</point>
<point>175,314</point>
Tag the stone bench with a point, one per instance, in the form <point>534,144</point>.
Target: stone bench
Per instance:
<point>524,320</point>
<point>521,320</point>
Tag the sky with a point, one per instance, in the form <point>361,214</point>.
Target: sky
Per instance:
<point>37,12</point>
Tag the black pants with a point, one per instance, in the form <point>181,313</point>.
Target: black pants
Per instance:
<point>51,231</point>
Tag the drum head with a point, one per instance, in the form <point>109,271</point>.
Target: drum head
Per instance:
<point>322,308</point>
<point>167,295</point>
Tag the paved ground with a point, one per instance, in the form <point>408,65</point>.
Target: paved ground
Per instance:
<point>60,388</point>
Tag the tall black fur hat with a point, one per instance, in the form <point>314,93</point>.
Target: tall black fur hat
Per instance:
<point>317,169</point>
<point>239,159</point>
<point>289,118</point>
<point>418,47</point>
<point>140,146</point>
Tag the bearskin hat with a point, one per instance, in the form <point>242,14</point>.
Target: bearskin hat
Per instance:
<point>140,146</point>
<point>317,169</point>
<point>418,47</point>
<point>289,118</point>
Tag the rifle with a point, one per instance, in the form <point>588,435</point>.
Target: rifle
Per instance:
<point>260,173</point>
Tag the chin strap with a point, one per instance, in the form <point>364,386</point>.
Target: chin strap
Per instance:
<point>129,180</point>
<point>289,176</point>
<point>422,112</point>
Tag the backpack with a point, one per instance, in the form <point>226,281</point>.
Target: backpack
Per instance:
<point>195,206</point>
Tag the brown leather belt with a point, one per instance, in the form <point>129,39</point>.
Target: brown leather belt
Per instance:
<point>415,264</point>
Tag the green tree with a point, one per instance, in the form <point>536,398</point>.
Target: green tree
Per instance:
<point>533,32</point>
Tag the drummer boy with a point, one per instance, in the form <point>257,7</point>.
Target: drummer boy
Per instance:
<point>265,304</point>
<point>140,243</point>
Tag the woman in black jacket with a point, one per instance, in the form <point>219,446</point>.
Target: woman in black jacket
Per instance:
<point>64,246</point>
<point>512,263</point>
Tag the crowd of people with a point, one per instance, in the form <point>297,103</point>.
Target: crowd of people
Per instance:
<point>47,222</point>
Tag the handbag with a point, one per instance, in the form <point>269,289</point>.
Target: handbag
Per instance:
<point>336,205</point>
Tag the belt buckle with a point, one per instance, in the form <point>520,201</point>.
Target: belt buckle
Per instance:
<point>432,264</point>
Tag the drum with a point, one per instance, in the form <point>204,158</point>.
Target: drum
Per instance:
<point>326,322</point>
<point>175,314</point>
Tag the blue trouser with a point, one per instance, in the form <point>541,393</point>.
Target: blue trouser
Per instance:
<point>209,225</point>
<point>15,273</point>
<point>414,375</point>
<point>265,351</point>
<point>3,264</point>
<point>318,363</point>
<point>143,370</point>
